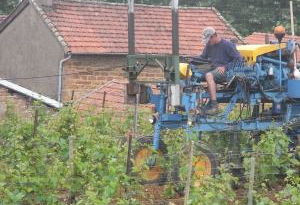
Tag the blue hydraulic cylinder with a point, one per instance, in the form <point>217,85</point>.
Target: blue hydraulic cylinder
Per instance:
<point>161,109</point>
<point>156,135</point>
<point>271,60</point>
<point>280,67</point>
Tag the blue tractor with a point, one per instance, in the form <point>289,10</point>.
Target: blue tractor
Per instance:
<point>266,82</point>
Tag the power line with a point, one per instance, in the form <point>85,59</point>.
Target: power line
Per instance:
<point>56,75</point>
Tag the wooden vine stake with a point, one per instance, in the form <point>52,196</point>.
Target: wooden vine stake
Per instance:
<point>36,121</point>
<point>71,168</point>
<point>251,180</point>
<point>71,153</point>
<point>190,168</point>
<point>103,100</point>
<point>128,167</point>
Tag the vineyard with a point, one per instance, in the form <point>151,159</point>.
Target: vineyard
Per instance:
<point>70,158</point>
<point>224,126</point>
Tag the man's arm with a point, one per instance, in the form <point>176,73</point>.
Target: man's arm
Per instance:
<point>233,53</point>
<point>201,59</point>
<point>203,55</point>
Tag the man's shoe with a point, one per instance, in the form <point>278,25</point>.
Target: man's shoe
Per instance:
<point>211,109</point>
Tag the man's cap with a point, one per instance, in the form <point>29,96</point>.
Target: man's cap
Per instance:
<point>207,33</point>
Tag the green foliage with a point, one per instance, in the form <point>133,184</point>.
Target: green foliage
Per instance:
<point>272,156</point>
<point>273,164</point>
<point>214,190</point>
<point>290,195</point>
<point>7,6</point>
<point>30,172</point>
<point>256,15</point>
<point>99,164</point>
<point>36,169</point>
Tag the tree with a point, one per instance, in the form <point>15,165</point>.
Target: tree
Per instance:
<point>256,15</point>
<point>6,6</point>
<point>246,16</point>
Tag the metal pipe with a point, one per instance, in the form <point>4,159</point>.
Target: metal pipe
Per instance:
<point>175,40</point>
<point>293,32</point>
<point>60,71</point>
<point>280,67</point>
<point>274,61</point>
<point>131,31</point>
<point>175,34</point>
<point>267,39</point>
<point>292,19</point>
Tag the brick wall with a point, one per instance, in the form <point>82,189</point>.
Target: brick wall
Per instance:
<point>93,71</point>
<point>21,103</point>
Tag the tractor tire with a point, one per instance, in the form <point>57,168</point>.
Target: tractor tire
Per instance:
<point>154,174</point>
<point>205,163</point>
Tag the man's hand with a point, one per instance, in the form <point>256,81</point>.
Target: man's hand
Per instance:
<point>221,69</point>
<point>188,59</point>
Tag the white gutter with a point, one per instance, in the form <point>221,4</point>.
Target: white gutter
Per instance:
<point>34,95</point>
<point>60,76</point>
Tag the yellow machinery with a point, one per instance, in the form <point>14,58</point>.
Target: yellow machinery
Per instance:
<point>248,52</point>
<point>251,52</point>
<point>183,70</point>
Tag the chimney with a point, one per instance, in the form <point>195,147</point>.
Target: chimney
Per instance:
<point>47,3</point>
<point>267,39</point>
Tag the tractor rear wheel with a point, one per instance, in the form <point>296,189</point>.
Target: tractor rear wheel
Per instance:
<point>204,164</point>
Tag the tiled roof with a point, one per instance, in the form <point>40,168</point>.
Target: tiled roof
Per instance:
<point>259,38</point>
<point>2,17</point>
<point>50,25</point>
<point>94,27</point>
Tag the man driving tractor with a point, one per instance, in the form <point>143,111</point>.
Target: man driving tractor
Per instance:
<point>220,53</point>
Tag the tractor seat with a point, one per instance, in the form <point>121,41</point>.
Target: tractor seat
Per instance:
<point>224,86</point>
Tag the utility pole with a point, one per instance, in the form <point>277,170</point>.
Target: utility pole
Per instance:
<point>131,33</point>
<point>175,40</point>
<point>293,32</point>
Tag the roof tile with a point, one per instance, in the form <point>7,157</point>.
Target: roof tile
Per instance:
<point>2,17</point>
<point>102,27</point>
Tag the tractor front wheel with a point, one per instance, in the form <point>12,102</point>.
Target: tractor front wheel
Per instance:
<point>148,163</point>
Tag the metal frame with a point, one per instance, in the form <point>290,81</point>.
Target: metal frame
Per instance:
<point>175,119</point>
